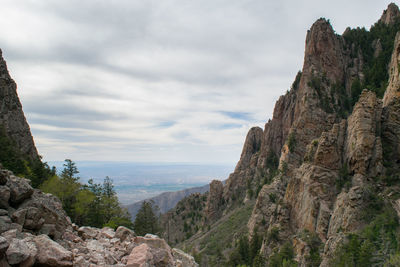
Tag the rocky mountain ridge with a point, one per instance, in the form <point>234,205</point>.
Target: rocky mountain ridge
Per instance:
<point>328,156</point>
<point>12,118</point>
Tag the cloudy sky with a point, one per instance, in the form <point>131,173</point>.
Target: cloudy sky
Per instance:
<point>151,80</point>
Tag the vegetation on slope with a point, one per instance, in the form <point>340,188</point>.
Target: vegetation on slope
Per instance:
<point>147,220</point>
<point>214,246</point>
<point>375,68</point>
<point>88,204</point>
<point>21,165</point>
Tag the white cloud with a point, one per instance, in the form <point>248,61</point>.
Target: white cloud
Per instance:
<point>158,80</point>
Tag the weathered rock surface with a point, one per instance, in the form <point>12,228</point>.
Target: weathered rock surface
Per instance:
<point>17,252</point>
<point>12,118</point>
<point>185,259</point>
<point>332,154</point>
<point>51,253</point>
<point>123,233</point>
<point>214,201</point>
<point>390,15</point>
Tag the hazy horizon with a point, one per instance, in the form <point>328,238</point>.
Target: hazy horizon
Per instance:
<point>135,181</point>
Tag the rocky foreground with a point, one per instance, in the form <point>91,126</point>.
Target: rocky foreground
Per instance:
<point>35,230</point>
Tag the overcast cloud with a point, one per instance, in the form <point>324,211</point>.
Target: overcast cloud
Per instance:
<point>158,80</point>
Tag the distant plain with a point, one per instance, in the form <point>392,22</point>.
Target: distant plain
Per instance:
<point>135,181</point>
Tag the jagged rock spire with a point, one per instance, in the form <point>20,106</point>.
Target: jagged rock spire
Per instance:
<point>390,15</point>
<point>12,118</point>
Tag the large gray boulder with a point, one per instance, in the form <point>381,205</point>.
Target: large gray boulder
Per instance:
<point>20,189</point>
<point>51,253</point>
<point>4,196</point>
<point>17,252</point>
<point>3,245</point>
<point>123,233</point>
<point>43,210</point>
<point>5,224</point>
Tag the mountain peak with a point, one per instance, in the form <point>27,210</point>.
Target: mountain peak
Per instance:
<point>390,15</point>
<point>322,51</point>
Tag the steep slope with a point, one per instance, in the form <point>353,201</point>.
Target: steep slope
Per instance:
<point>167,200</point>
<point>12,118</point>
<point>18,152</point>
<point>338,155</point>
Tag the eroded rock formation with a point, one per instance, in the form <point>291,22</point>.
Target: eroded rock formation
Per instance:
<point>12,118</point>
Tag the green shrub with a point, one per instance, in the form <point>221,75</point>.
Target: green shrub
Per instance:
<point>291,142</point>
<point>344,179</point>
<point>283,258</point>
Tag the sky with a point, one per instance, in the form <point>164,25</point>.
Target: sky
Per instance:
<point>158,81</point>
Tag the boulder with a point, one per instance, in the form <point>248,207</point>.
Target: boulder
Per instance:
<point>48,229</point>
<point>87,232</point>
<point>20,189</point>
<point>141,256</point>
<point>3,176</point>
<point>4,196</point>
<point>3,212</point>
<point>19,216</point>
<point>153,242</point>
<point>30,261</point>
<point>33,219</point>
<point>151,236</point>
<point>51,253</point>
<point>5,224</point>
<point>107,232</point>
<point>17,252</point>
<point>122,233</point>
<point>45,209</point>
<point>3,245</point>
<point>10,234</point>
<point>186,259</point>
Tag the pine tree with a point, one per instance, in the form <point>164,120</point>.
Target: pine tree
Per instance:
<point>147,221</point>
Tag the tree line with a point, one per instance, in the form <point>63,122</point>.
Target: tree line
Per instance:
<point>90,204</point>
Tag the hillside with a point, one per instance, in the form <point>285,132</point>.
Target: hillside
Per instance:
<point>323,171</point>
<point>167,200</point>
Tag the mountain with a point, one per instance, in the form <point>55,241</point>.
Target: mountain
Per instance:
<point>166,200</point>
<point>318,186</point>
<point>12,118</point>
<point>18,152</point>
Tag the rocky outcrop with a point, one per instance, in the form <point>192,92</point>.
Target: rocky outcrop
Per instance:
<point>12,118</point>
<point>326,192</point>
<point>214,201</point>
<point>34,230</point>
<point>390,15</point>
<point>245,167</point>
<point>29,210</point>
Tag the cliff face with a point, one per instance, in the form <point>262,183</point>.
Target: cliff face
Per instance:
<point>12,118</point>
<point>338,149</point>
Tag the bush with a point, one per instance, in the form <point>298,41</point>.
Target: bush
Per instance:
<point>373,245</point>
<point>344,179</point>
<point>285,257</point>
<point>291,142</point>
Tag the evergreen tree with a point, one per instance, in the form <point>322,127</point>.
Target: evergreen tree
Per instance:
<point>70,170</point>
<point>147,221</point>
